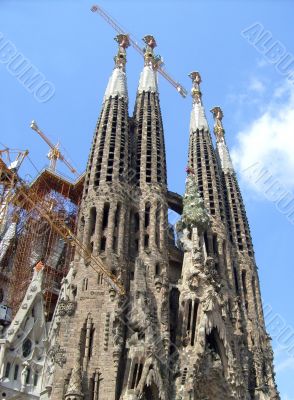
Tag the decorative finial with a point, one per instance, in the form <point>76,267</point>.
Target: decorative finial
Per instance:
<point>34,126</point>
<point>218,126</point>
<point>150,58</point>
<point>121,57</point>
<point>196,92</point>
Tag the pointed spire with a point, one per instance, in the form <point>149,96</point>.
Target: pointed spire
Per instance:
<point>117,84</point>
<point>148,78</point>
<point>198,117</point>
<point>221,146</point>
<point>74,389</point>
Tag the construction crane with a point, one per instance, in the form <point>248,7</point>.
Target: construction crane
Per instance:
<point>25,196</point>
<point>97,9</point>
<point>7,184</point>
<point>54,154</point>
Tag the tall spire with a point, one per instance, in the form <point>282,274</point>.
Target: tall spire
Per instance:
<point>202,158</point>
<point>117,84</point>
<point>221,146</point>
<point>149,135</point>
<point>236,213</point>
<point>148,78</point>
<point>198,117</point>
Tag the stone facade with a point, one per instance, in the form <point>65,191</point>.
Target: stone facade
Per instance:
<point>191,323</point>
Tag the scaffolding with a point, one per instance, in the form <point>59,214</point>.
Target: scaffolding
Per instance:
<point>45,213</point>
<point>35,240</point>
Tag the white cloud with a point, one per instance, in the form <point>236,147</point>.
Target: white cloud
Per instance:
<point>262,62</point>
<point>269,141</point>
<point>256,85</point>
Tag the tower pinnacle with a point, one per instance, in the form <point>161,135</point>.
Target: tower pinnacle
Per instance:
<point>121,57</point>
<point>117,84</point>
<point>196,92</point>
<point>221,146</point>
<point>198,118</point>
<point>148,78</point>
<point>218,127</point>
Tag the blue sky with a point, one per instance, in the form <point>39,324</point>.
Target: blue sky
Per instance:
<point>74,50</point>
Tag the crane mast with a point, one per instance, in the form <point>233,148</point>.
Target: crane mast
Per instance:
<point>54,154</point>
<point>97,9</point>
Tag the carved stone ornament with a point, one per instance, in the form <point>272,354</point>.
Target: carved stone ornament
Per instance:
<point>57,355</point>
<point>66,307</point>
<point>193,282</point>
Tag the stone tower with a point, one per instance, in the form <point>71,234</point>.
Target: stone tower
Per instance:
<point>190,330</point>
<point>223,349</point>
<point>88,331</point>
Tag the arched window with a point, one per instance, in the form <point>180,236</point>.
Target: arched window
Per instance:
<point>26,347</point>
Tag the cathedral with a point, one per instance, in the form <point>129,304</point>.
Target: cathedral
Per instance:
<point>178,316</point>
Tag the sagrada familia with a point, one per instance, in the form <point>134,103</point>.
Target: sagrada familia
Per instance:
<point>190,323</point>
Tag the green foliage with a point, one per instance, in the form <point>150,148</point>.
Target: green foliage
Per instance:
<point>194,212</point>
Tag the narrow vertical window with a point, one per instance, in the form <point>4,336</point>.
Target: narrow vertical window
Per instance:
<point>92,222</point>
<point>134,376</point>
<point>100,279</point>
<point>105,215</point>
<point>139,374</point>
<point>244,284</point>
<point>146,241</point>
<point>157,227</point>
<point>205,237</point>
<point>157,269</point>
<point>16,369</point>
<point>194,321</point>
<point>117,215</point>
<point>116,228</point>
<point>215,245</point>
<point>85,284</point>
<point>147,214</point>
<point>7,370</point>
<point>136,225</point>
<point>36,378</point>
<point>103,244</point>
<point>236,278</point>
<point>28,376</point>
<point>189,315</point>
<point>91,342</point>
<point>253,284</point>
<point>225,253</point>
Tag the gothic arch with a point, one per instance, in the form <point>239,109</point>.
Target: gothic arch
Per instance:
<point>150,392</point>
<point>214,343</point>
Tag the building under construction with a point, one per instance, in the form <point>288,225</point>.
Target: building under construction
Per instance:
<point>28,239</point>
<point>107,302</point>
